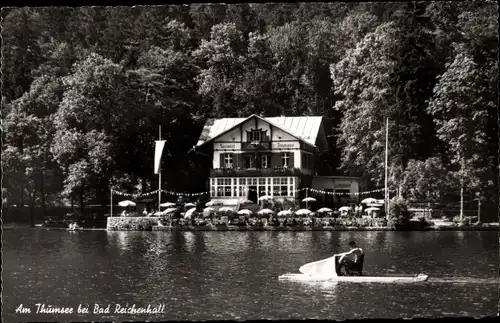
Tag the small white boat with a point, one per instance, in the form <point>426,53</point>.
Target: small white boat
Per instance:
<point>356,279</point>
<point>326,270</point>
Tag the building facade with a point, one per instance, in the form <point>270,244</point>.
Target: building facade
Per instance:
<point>342,190</point>
<point>257,156</point>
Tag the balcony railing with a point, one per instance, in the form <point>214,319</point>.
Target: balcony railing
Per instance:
<point>255,145</point>
<point>255,172</point>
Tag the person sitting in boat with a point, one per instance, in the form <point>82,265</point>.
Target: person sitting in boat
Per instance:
<point>351,261</point>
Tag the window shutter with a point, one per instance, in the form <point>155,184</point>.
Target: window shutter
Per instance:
<point>290,162</point>
<point>248,136</point>
<point>275,160</point>
<point>233,158</point>
<point>222,161</point>
<point>236,160</point>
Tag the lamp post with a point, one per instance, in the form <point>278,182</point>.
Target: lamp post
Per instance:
<point>386,198</point>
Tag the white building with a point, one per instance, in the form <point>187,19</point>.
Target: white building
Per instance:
<point>344,189</point>
<point>258,156</point>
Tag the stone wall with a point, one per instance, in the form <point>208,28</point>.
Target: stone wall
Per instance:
<point>276,224</point>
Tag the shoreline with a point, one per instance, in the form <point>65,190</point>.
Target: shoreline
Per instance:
<point>263,228</point>
<point>302,228</point>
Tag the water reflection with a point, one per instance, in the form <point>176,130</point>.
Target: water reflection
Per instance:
<point>190,239</point>
<point>233,275</point>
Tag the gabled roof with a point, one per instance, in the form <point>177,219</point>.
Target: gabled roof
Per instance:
<point>305,129</point>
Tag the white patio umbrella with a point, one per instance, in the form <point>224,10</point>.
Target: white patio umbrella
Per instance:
<point>303,212</point>
<point>245,212</point>
<point>325,209</point>
<point>169,210</point>
<point>226,209</point>
<point>369,200</point>
<point>266,211</point>
<point>189,204</point>
<point>265,197</point>
<point>345,208</point>
<point>242,202</point>
<point>371,209</point>
<point>380,201</point>
<point>208,211</point>
<point>189,213</point>
<point>309,199</point>
<point>284,213</point>
<point>167,204</point>
<point>126,203</point>
<point>375,204</point>
<point>213,203</point>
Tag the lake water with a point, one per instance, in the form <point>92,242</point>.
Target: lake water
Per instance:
<point>234,275</point>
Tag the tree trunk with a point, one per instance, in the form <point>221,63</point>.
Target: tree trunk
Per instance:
<point>143,185</point>
<point>21,196</point>
<point>32,207</point>
<point>42,192</point>
<point>81,201</point>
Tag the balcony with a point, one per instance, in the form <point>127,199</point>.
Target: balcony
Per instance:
<point>255,172</point>
<point>255,145</point>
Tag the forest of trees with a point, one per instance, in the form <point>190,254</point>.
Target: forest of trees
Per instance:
<point>84,90</point>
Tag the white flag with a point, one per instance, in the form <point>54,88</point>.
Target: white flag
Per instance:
<point>158,151</point>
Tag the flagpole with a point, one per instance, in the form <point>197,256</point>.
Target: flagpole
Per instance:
<point>111,205</point>
<point>159,173</point>
<point>306,196</point>
<point>386,157</point>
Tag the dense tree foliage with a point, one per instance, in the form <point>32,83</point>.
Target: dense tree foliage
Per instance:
<point>85,89</point>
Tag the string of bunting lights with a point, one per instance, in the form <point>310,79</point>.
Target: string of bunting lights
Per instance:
<point>142,195</point>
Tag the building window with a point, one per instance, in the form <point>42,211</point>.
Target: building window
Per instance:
<point>249,161</point>
<point>224,188</point>
<point>284,186</point>
<point>256,135</point>
<point>309,159</point>
<point>227,187</point>
<point>262,190</point>
<point>265,161</point>
<point>285,158</point>
<point>228,160</point>
<point>280,187</point>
